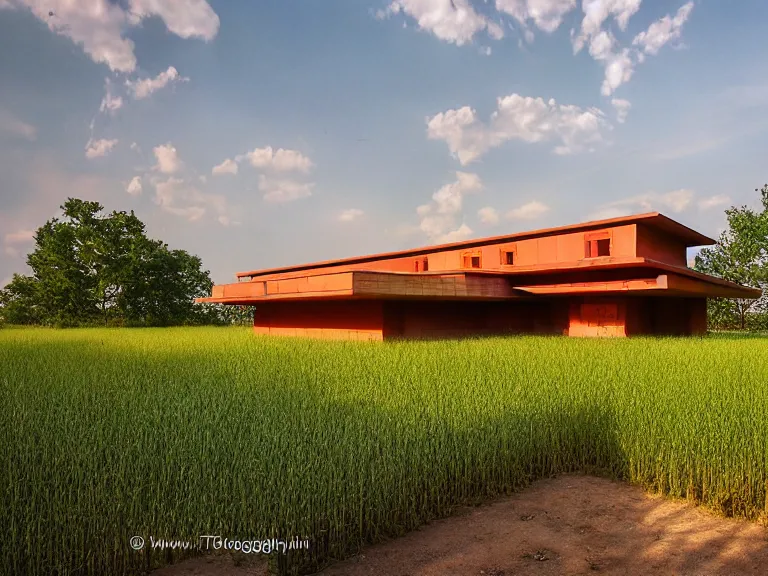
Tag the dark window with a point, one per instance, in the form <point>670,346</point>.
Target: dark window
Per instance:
<point>509,258</point>
<point>416,266</point>
<point>425,267</point>
<point>597,248</point>
<point>475,261</point>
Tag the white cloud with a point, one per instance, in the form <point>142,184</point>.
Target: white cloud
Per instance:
<point>99,148</point>
<point>20,237</point>
<point>284,190</point>
<point>454,21</point>
<point>281,160</point>
<point>528,211</point>
<point>547,15</point>
<point>439,217</point>
<point>596,12</point>
<point>110,103</point>
<point>622,109</point>
<point>184,18</point>
<point>168,161</point>
<point>619,66</point>
<point>135,147</point>
<point>98,26</point>
<point>350,214</point>
<point>145,87</point>
<point>663,30</point>
<point>134,187</point>
<point>9,124</point>
<point>675,201</point>
<point>227,167</point>
<point>518,118</point>
<point>488,215</point>
<point>714,201</point>
<point>181,199</point>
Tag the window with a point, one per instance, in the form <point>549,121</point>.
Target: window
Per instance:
<point>425,264</point>
<point>472,260</point>
<point>598,245</point>
<point>416,266</point>
<point>509,258</point>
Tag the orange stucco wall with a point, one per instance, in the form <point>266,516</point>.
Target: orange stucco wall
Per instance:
<point>528,252</point>
<point>656,245</point>
<point>334,319</point>
<point>636,315</point>
<point>424,319</point>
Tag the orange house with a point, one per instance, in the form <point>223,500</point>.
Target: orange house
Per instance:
<point>616,277</point>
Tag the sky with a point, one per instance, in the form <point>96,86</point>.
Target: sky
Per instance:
<point>275,132</point>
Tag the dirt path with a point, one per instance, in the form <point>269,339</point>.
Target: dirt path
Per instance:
<point>569,525</point>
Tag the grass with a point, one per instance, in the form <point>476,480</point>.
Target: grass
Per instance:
<point>175,433</point>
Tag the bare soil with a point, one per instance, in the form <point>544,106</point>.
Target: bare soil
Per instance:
<point>570,525</point>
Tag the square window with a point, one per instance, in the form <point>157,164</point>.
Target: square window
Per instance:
<point>509,258</point>
<point>603,247</point>
<point>475,261</point>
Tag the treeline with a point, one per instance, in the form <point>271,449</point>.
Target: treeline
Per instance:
<point>91,269</point>
<point>740,255</point>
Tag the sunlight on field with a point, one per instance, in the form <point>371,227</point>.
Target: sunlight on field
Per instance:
<point>107,434</point>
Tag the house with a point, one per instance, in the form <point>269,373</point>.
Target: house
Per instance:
<point>616,277</point>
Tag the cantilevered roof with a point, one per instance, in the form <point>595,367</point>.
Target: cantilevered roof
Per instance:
<point>653,219</point>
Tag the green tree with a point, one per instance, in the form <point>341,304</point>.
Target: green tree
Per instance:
<point>740,255</point>
<point>92,268</point>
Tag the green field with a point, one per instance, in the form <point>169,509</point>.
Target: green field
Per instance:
<point>176,433</point>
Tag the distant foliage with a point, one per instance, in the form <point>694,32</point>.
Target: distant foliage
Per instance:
<point>740,255</point>
<point>91,269</point>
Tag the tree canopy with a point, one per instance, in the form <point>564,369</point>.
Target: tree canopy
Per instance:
<point>91,268</point>
<point>740,255</point>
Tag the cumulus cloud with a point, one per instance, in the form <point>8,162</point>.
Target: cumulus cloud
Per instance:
<point>143,88</point>
<point>10,124</point>
<point>488,215</point>
<point>180,198</point>
<point>597,12</point>
<point>20,237</point>
<point>519,118</point>
<point>453,21</point>
<point>284,190</point>
<point>134,187</point>
<point>168,161</point>
<point>110,103</point>
<point>227,167</point>
<point>439,218</point>
<point>675,201</point>
<point>714,201</point>
<point>622,109</point>
<point>663,30</point>
<point>546,15</point>
<point>280,160</point>
<point>529,211</point>
<point>99,148</point>
<point>99,26</point>
<point>350,215</point>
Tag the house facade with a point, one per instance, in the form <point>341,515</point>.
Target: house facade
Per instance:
<point>616,277</point>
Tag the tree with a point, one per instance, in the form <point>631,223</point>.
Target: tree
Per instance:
<point>740,255</point>
<point>92,268</point>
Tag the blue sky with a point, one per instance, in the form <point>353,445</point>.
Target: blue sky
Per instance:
<point>260,134</point>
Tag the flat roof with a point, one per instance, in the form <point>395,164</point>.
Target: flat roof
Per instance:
<point>653,219</point>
